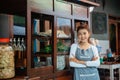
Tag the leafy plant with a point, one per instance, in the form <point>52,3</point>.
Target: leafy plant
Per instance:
<point>61,47</point>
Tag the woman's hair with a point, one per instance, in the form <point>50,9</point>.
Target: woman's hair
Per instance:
<point>84,27</point>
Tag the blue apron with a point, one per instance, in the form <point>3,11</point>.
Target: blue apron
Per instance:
<point>85,73</point>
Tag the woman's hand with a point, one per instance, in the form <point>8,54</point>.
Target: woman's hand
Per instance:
<point>76,60</point>
<point>94,58</point>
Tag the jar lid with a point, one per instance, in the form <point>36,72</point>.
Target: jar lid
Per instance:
<point>4,40</point>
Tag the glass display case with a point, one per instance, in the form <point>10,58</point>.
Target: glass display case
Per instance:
<point>64,31</point>
<point>42,26</point>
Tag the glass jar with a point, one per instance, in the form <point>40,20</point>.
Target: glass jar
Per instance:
<point>7,69</point>
<point>60,62</point>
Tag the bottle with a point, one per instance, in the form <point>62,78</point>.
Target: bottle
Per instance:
<point>19,49</point>
<point>14,44</point>
<point>109,53</point>
<point>23,52</point>
<point>101,59</point>
<point>7,66</point>
<point>20,57</point>
<point>15,48</point>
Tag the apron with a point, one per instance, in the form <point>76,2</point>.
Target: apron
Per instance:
<point>85,73</point>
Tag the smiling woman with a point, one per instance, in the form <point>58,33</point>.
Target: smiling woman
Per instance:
<point>84,57</point>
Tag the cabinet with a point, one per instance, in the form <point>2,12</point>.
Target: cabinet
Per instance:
<point>49,32</point>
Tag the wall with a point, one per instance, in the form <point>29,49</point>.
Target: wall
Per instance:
<point>4,26</point>
<point>111,7</point>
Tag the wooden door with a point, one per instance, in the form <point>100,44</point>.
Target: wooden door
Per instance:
<point>113,36</point>
<point>118,33</point>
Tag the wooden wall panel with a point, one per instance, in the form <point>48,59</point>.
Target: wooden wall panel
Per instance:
<point>42,5</point>
<point>11,26</point>
<point>80,11</point>
<point>62,8</point>
<point>65,78</point>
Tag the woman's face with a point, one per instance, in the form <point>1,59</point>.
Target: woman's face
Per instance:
<point>83,36</point>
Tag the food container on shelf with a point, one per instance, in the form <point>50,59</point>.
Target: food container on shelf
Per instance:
<point>7,69</point>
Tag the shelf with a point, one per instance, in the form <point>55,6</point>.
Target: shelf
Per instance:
<point>84,2</point>
<point>43,54</point>
<point>49,54</point>
<point>62,53</point>
<point>64,38</point>
<point>42,38</point>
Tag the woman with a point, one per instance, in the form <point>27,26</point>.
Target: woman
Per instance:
<point>84,56</point>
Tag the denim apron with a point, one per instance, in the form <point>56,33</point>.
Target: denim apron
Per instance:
<point>85,73</point>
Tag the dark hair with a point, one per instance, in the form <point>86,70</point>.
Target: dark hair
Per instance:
<point>84,27</point>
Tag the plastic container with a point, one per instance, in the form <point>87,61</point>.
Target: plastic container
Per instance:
<point>109,53</point>
<point>101,60</point>
<point>7,67</point>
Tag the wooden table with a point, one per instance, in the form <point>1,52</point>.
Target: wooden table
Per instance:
<point>111,67</point>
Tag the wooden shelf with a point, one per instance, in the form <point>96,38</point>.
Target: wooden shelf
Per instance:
<point>62,53</point>
<point>84,2</point>
<point>64,38</point>
<point>42,38</point>
<point>43,54</point>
